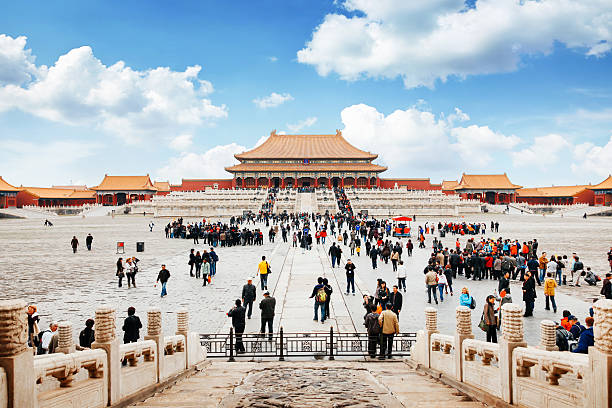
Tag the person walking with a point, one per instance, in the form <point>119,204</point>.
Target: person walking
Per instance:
<point>263,268</point>
<point>320,298</point>
<point>350,276</point>
<point>389,326</point>
<point>88,241</point>
<point>395,256</point>
<point>490,320</point>
<point>373,329</point>
<point>431,281</point>
<point>130,272</point>
<point>396,299</point>
<point>197,260</point>
<point>333,253</point>
<point>191,262</point>
<point>374,257</point>
<point>529,294</point>
<point>206,278</point>
<point>441,284</point>
<point>401,276</point>
<point>74,243</point>
<point>120,274</point>
<point>267,306</point>
<point>549,291</point>
<point>214,258</point>
<point>163,277</point>
<point>238,322</point>
<point>249,295</point>
<point>606,288</point>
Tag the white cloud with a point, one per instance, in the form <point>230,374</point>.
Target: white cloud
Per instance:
<point>181,142</point>
<point>591,159</point>
<point>302,124</point>
<point>80,90</point>
<point>414,141</point>
<point>16,63</point>
<point>210,164</point>
<point>272,101</point>
<point>425,41</point>
<point>272,59</point>
<point>543,152</point>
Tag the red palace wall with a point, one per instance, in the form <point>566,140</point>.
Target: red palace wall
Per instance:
<point>198,185</point>
<point>25,198</point>
<point>411,184</point>
<point>584,197</point>
<point>6,202</point>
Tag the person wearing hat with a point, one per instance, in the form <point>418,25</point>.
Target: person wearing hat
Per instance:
<point>267,306</point>
<point>249,294</point>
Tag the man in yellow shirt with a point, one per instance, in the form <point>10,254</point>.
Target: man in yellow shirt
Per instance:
<point>263,268</point>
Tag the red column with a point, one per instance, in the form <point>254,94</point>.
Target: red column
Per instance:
<point>316,183</point>
<point>342,182</point>
<point>283,182</point>
<point>114,199</point>
<point>256,182</point>
<point>368,183</point>
<point>329,185</point>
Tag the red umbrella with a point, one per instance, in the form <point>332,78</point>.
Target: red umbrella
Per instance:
<point>402,219</point>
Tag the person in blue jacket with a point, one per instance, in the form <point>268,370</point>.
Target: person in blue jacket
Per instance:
<point>586,337</point>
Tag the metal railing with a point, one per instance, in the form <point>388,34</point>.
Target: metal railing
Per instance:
<point>283,345</point>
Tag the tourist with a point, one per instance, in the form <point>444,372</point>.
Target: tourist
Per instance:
<point>33,320</point>
<point>333,253</point>
<point>590,277</point>
<point>239,323</point>
<point>562,338</point>
<point>466,299</point>
<point>382,294</point>
<point>490,320</point>
<point>606,289</point>
<point>396,299</point>
<point>249,295</point>
<point>401,276</point>
<point>374,257</point>
<point>206,278</point>
<point>264,269</point>
<point>576,328</point>
<point>191,262</point>
<point>448,274</point>
<point>130,272</point>
<point>587,338</point>
<point>197,260</point>
<point>578,270</point>
<point>565,320</point>
<point>120,271</point>
<point>87,335</point>
<point>267,306</point>
<point>441,284</point>
<point>131,326</point>
<point>163,277</point>
<point>49,340</point>
<point>74,243</point>
<point>389,326</point>
<point>529,294</point>
<point>431,280</point>
<point>367,302</point>
<point>532,267</point>
<point>214,258</point>
<point>350,276</point>
<point>372,327</point>
<point>549,291</point>
<point>504,283</point>
<point>328,292</point>
<point>88,241</point>
<point>395,256</point>
<point>320,298</point>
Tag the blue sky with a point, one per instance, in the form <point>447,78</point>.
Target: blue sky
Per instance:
<point>435,88</point>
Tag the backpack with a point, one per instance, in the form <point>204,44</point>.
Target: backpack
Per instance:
<point>473,303</point>
<point>321,296</point>
<point>506,265</point>
<point>372,324</point>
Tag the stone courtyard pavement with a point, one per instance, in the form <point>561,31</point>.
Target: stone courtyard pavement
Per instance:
<point>39,266</point>
<point>309,384</point>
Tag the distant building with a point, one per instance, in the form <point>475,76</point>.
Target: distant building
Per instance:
<point>448,186</point>
<point>556,195</point>
<point>8,194</point>
<point>51,197</point>
<point>163,187</point>
<point>306,161</point>
<point>603,192</point>
<point>119,190</point>
<point>488,188</point>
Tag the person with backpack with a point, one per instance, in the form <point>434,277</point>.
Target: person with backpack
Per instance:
<point>562,338</point>
<point>320,297</point>
<point>373,328</point>
<point>48,339</point>
<point>578,270</point>
<point>466,299</point>
<point>87,335</point>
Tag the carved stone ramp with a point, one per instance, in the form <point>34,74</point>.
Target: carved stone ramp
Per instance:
<point>318,384</point>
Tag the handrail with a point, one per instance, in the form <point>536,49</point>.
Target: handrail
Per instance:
<point>64,366</point>
<point>554,363</point>
<point>132,351</point>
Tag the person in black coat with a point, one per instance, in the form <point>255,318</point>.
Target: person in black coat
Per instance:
<point>249,294</point>
<point>131,327</point>
<point>237,314</point>
<point>529,294</point>
<point>395,298</point>
<point>504,283</point>
<point>87,335</point>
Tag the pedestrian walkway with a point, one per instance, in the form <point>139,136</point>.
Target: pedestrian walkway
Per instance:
<point>309,384</point>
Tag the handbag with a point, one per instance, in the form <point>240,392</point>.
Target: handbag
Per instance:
<point>483,326</point>
<point>269,268</point>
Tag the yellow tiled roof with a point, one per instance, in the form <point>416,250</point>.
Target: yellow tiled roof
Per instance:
<point>4,186</point>
<point>449,184</point>
<point>554,191</point>
<point>604,185</point>
<point>125,183</point>
<point>320,167</point>
<point>162,185</point>
<point>485,181</point>
<point>61,193</point>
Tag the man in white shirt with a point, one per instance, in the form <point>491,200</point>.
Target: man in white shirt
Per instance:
<point>49,340</point>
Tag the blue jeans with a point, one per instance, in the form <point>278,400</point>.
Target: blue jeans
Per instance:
<point>213,268</point>
<point>333,259</point>
<point>441,290</point>
<point>264,281</point>
<point>552,300</point>
<point>163,291</point>
<point>350,281</point>
<point>316,310</point>
<point>542,273</point>
<point>559,276</point>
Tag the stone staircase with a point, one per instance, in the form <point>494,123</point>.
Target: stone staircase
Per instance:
<point>309,384</point>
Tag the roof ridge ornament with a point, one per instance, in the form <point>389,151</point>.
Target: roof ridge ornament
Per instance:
<point>338,132</point>
<point>273,133</point>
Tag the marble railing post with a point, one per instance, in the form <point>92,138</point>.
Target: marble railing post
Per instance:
<point>463,317</point>
<point>600,356</point>
<point>65,341</point>
<point>182,327</point>
<point>431,327</point>
<point>154,332</point>
<point>16,357</point>
<point>512,337</point>
<point>106,339</point>
<point>548,336</point>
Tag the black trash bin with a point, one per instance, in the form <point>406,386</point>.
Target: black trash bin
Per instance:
<point>140,247</point>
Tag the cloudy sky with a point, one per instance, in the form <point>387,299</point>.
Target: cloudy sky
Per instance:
<point>436,87</point>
